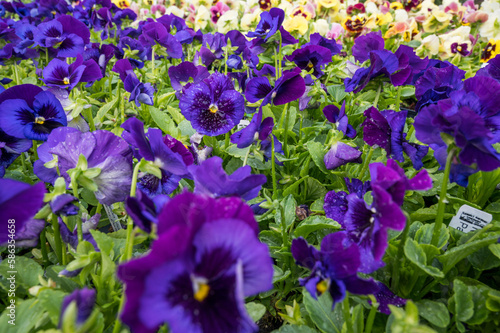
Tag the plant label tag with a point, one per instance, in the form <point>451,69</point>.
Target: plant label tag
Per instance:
<point>113,218</point>
<point>469,219</point>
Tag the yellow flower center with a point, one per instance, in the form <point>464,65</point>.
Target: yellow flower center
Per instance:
<point>459,48</point>
<point>310,65</point>
<point>202,292</point>
<point>66,80</point>
<point>213,108</point>
<point>39,120</point>
<point>322,286</point>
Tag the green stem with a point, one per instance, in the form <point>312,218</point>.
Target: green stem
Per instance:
<point>23,163</point>
<point>90,119</point>
<point>379,90</point>
<point>43,246</point>
<point>276,64</point>
<point>273,167</point>
<point>226,140</point>
<point>398,99</point>
<point>285,140</point>
<point>366,163</point>
<point>371,315</point>
<point>347,313</point>
<point>226,56</point>
<point>442,199</point>
<point>398,263</point>
<point>153,60</point>
<point>57,237</point>
<point>46,56</point>
<point>280,61</point>
<point>74,185</point>
<point>246,156</point>
<point>16,74</point>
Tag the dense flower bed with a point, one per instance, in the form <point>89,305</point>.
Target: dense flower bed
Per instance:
<point>243,166</point>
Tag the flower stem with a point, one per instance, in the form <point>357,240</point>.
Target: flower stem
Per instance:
<point>398,99</point>
<point>273,167</point>
<point>366,163</point>
<point>442,198</point>
<point>397,265</point>
<point>285,140</point>
<point>347,313</point>
<point>226,140</point>
<point>246,156</point>
<point>43,246</point>
<point>379,90</point>
<point>57,237</point>
<point>90,119</point>
<point>79,231</point>
<point>153,60</point>
<point>16,74</point>
<point>371,315</point>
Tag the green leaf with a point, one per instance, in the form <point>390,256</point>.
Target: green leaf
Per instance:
<point>255,310</point>
<point>321,313</point>
<point>464,306</point>
<point>427,214</point>
<point>51,301</point>
<point>295,329</point>
<point>495,249</point>
<point>164,122</point>
<point>279,275</point>
<point>337,91</point>
<point>424,235</point>
<point>293,189</point>
<point>313,223</point>
<point>317,155</point>
<point>435,313</point>
<point>103,241</point>
<point>456,254</point>
<point>27,270</point>
<point>289,206</point>
<point>417,256</point>
<point>28,314</point>
<point>104,110</point>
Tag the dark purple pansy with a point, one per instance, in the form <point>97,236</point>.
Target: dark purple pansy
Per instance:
<point>84,300</point>
<point>317,39</point>
<point>103,150</point>
<point>168,154</point>
<point>256,130</point>
<point>64,204</point>
<point>363,45</point>
<point>139,92</point>
<point>492,69</point>
<point>338,117</point>
<point>59,74</point>
<point>270,22</point>
<point>26,34</point>
<point>144,210</point>
<point>71,237</point>
<point>289,87</point>
<point>26,111</point>
<point>340,154</point>
<point>213,106</point>
<point>19,202</point>
<point>10,149</point>
<point>386,297</point>
<point>186,72</point>
<point>211,179</point>
<point>385,129</point>
<point>101,54</point>
<point>206,260</point>
<point>409,66</point>
<point>334,268</point>
<point>336,204</point>
<point>154,32</point>
<point>311,58</point>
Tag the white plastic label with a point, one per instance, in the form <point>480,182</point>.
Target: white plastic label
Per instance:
<point>469,219</point>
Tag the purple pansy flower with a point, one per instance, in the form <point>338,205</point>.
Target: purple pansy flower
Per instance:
<point>289,87</point>
<point>184,72</point>
<point>143,210</point>
<point>101,54</point>
<point>167,153</point>
<point>64,204</point>
<point>26,111</point>
<point>256,130</point>
<point>385,129</point>
<point>103,150</point>
<point>334,268</point>
<point>311,58</point>
<point>336,204</point>
<point>85,299</point>
<point>210,249</point>
<point>19,202</point>
<point>59,74</point>
<point>317,39</point>
<point>211,179</point>
<point>139,92</point>
<point>154,32</point>
<point>340,154</point>
<point>213,106</point>
<point>71,237</point>
<point>363,45</point>
<point>270,22</point>
<point>339,119</point>
<point>386,297</point>
<point>492,69</point>
<point>10,149</point>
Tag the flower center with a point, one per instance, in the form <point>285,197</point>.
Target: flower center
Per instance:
<point>322,286</point>
<point>201,288</point>
<point>39,120</point>
<point>66,80</point>
<point>310,65</point>
<point>213,108</point>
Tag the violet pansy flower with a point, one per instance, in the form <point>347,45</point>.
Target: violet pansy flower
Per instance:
<point>154,32</point>
<point>311,58</point>
<point>340,154</point>
<point>213,106</point>
<point>185,72</point>
<point>10,149</point>
<point>335,204</point>
<point>338,117</point>
<point>211,179</point>
<point>289,87</point>
<point>334,268</point>
<point>26,111</point>
<point>59,74</point>
<point>139,92</point>
<point>269,24</point>
<point>256,130</point>
<point>84,300</point>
